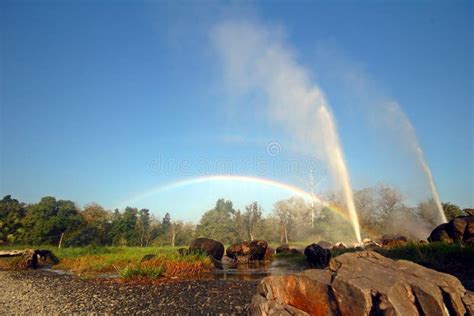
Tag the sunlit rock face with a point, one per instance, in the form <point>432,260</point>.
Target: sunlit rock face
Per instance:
<point>458,230</point>
<point>363,283</point>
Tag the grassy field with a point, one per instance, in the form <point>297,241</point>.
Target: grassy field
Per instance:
<point>125,261</point>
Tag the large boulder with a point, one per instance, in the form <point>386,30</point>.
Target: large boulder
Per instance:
<point>363,283</point>
<point>211,247</point>
<point>317,256</point>
<point>458,230</point>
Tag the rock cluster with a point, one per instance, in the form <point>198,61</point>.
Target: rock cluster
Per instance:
<point>458,230</point>
<point>363,283</point>
<point>245,251</point>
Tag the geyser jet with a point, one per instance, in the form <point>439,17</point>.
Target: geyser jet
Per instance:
<point>410,137</point>
<point>257,60</point>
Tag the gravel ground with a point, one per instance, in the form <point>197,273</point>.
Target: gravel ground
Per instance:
<point>44,292</point>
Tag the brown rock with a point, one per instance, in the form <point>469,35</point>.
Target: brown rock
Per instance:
<point>317,256</point>
<point>364,283</point>
<point>391,241</point>
<point>269,253</point>
<point>283,248</point>
<point>440,234</point>
<point>457,227</point>
<point>238,249</point>
<point>325,244</point>
<point>248,251</point>
<point>459,230</point>
<point>211,247</point>
<point>257,250</point>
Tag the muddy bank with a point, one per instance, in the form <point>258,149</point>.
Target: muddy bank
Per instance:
<point>34,292</point>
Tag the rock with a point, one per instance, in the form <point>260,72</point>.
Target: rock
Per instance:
<point>148,258</point>
<point>294,251</point>
<point>325,244</point>
<point>257,249</point>
<point>363,283</point>
<point>468,211</point>
<point>393,240</point>
<point>369,244</point>
<point>183,251</point>
<point>247,251</point>
<point>469,232</point>
<point>339,245</point>
<point>317,256</point>
<point>269,253</point>
<point>440,234</point>
<point>31,258</point>
<point>211,247</point>
<point>45,257</point>
<point>458,230</point>
<point>457,227</point>
<point>238,250</point>
<point>283,248</point>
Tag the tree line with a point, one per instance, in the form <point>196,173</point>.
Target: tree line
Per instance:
<point>381,210</point>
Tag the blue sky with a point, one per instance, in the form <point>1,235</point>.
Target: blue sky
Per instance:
<point>93,93</point>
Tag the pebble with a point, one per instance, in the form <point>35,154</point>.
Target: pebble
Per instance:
<point>44,292</point>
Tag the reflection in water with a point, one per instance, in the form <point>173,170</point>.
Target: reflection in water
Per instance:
<point>231,270</point>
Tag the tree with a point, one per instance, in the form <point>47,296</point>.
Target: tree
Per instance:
<point>389,200</point>
<point>251,219</point>
<point>12,213</point>
<point>47,220</point>
<point>123,225</point>
<point>217,223</point>
<point>365,203</point>
<point>285,211</point>
<point>184,233</point>
<point>451,210</point>
<point>144,227</point>
<point>97,223</point>
<point>239,226</point>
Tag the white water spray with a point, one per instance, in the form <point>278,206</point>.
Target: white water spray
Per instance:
<point>410,136</point>
<point>256,59</point>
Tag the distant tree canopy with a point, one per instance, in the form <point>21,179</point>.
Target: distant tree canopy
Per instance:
<point>217,223</point>
<point>381,210</point>
<point>451,210</point>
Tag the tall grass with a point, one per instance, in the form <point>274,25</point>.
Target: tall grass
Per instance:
<point>126,261</point>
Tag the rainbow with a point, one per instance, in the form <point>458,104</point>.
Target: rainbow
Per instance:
<point>239,179</point>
